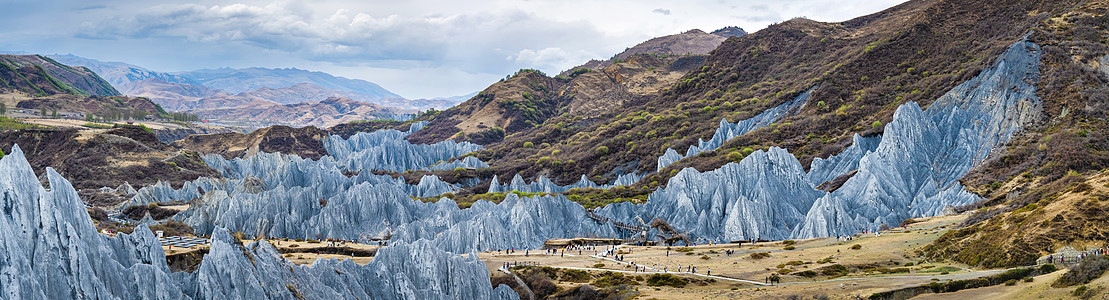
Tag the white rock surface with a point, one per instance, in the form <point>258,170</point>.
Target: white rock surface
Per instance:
<point>50,250</point>
<point>728,131</point>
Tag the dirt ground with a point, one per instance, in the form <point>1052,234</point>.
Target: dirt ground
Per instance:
<point>301,253</point>
<point>734,273</point>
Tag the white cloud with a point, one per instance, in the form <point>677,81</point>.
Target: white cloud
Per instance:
<point>447,40</point>
<point>551,58</point>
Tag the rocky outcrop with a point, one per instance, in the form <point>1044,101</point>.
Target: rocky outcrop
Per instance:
<point>728,131</point>
<point>52,251</point>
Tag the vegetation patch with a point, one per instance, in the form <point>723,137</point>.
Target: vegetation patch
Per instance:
<point>1084,272</point>
<point>666,280</point>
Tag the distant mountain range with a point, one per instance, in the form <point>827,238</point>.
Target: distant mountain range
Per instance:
<point>329,112</point>
<point>234,95</point>
<point>181,91</point>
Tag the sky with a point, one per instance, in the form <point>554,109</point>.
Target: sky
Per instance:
<point>417,49</point>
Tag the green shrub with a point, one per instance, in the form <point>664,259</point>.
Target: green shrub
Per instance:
<point>609,279</point>
<point>1086,271</point>
<point>1011,282</point>
<point>601,151</point>
<point>578,276</point>
<point>665,280</point>
<point>1048,268</point>
<point>834,270</point>
<point>529,145</point>
<point>807,273</point>
<point>790,247</point>
<point>760,255</point>
<point>856,247</point>
<point>1079,291</point>
<point>599,265</point>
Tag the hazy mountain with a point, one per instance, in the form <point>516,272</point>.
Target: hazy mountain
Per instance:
<point>119,74</point>
<point>249,79</point>
<point>440,103</point>
<point>326,113</point>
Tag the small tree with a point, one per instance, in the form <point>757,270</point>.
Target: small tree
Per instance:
<point>3,108</point>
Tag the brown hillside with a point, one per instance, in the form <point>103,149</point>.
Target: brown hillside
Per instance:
<point>1047,189</point>
<point>92,160</point>
<point>863,68</point>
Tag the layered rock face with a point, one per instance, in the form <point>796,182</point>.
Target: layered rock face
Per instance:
<point>729,131</point>
<point>52,251</point>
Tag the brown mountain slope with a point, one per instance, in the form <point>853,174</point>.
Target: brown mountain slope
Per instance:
<point>1047,189</point>
<point>692,42</point>
<point>530,98</point>
<point>107,157</point>
<point>174,96</point>
<point>49,77</point>
<point>863,69</point>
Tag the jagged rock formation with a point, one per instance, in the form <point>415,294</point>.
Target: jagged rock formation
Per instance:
<point>544,185</point>
<point>823,170</point>
<point>52,251</point>
<point>288,196</point>
<point>916,167</point>
<point>468,162</point>
<point>910,171</point>
<point>514,223</point>
<point>388,151</point>
<point>763,196</point>
<point>727,131</point>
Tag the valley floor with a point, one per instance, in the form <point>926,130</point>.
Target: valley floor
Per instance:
<point>880,263</point>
